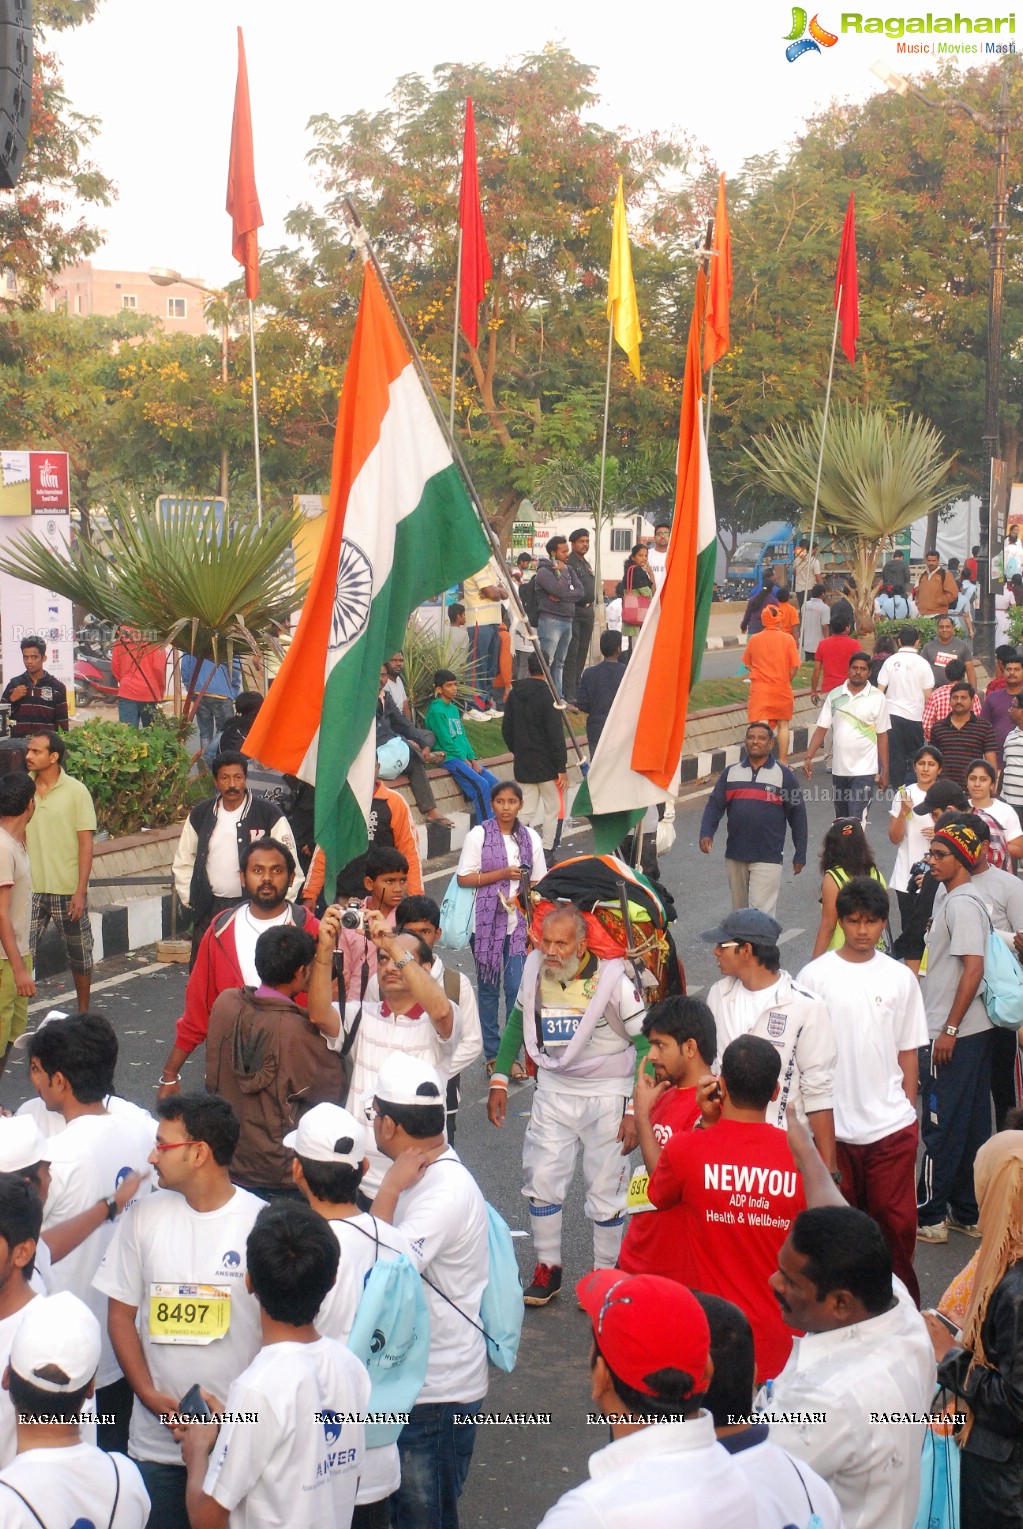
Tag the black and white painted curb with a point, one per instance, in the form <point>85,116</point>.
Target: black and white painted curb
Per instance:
<point>715,644</point>
<point>115,932</point>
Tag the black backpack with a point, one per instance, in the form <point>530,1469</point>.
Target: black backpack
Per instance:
<point>530,597</point>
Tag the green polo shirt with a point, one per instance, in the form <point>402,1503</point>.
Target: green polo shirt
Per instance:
<point>52,835</point>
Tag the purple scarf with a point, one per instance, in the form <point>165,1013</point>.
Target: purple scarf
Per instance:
<point>491,921</point>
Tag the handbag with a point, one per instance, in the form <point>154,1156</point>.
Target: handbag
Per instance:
<point>392,758</point>
<point>939,1481</point>
<point>457,915</point>
<point>634,603</point>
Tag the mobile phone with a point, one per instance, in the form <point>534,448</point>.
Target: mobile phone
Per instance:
<point>945,1321</point>
<point>193,1405</point>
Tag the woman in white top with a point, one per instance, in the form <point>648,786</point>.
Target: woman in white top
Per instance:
<point>981,779</point>
<point>912,833</point>
<point>491,858</point>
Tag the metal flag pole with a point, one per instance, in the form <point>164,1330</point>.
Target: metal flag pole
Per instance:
<point>364,245</point>
<point>255,414</point>
<point>820,460</point>
<point>454,337</point>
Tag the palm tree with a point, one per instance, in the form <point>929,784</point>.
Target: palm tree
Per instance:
<point>178,577</point>
<point>880,473</point>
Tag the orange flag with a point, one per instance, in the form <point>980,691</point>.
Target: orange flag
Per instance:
<point>242,196</point>
<point>847,285</point>
<point>719,295</point>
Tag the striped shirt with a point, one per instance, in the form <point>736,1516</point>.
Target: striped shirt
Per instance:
<point>1012,761</point>
<point>961,745</point>
<point>940,706</point>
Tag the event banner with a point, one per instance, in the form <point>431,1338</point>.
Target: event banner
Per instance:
<point>35,499</point>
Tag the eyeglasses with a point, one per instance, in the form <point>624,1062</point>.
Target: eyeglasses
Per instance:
<point>728,945</point>
<point>168,1146</point>
<point>938,854</point>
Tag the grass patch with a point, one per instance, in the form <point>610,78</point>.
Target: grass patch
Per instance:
<point>707,694</point>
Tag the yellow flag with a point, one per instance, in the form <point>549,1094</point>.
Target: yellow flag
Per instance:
<point>621,289</point>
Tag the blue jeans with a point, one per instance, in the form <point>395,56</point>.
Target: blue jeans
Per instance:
<point>435,1453</point>
<point>484,656</point>
<point>210,716</point>
<point>473,784</point>
<point>555,639</point>
<point>955,1124</point>
<point>853,795</point>
<point>166,1487</point>
<point>490,996</point>
<point>136,713</point>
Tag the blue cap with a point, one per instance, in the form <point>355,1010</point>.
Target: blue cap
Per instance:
<point>748,925</point>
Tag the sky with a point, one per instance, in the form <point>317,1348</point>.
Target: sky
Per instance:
<point>161,79</point>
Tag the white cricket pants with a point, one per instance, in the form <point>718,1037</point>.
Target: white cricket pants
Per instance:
<point>561,1123</point>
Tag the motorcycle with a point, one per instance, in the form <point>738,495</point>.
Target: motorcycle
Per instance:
<point>94,673</point>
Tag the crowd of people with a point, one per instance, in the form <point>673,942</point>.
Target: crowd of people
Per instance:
<point>276,1301</point>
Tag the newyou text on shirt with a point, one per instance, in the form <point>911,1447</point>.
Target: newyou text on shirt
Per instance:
<point>957,25</point>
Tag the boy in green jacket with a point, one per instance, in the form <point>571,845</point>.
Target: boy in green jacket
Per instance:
<point>445,723</point>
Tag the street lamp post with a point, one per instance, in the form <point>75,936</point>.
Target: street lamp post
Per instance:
<point>998,126</point>
<point>164,276</point>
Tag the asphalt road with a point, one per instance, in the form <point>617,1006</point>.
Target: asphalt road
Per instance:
<point>517,1472</point>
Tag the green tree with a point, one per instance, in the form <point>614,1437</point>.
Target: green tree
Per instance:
<point>878,475</point>
<point>42,228</point>
<point>534,385</point>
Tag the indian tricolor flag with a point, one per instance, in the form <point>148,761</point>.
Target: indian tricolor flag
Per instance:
<point>636,762</point>
<point>400,530</point>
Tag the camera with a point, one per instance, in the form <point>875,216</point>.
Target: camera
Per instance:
<point>354,917</point>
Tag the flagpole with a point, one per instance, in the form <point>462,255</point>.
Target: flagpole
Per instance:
<point>364,245</point>
<point>454,338</point>
<point>598,583</point>
<point>255,415</point>
<point>820,459</point>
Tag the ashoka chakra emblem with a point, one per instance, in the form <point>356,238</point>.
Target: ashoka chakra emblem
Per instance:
<point>353,597</point>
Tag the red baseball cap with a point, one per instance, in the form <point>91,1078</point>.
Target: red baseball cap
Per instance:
<point>644,1323</point>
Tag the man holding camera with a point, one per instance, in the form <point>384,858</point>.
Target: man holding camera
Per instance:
<point>414,1015</point>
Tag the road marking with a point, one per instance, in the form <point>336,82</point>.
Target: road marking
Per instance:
<point>98,987</point>
<point>790,934</point>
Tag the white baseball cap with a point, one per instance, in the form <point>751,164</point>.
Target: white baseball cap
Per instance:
<point>20,1042</point>
<point>22,1144</point>
<point>57,1344</point>
<point>406,1080</point>
<point>329,1134</point>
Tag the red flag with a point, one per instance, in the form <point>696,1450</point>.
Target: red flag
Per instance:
<point>242,196</point>
<point>847,287</point>
<point>715,332</point>
<point>476,268</point>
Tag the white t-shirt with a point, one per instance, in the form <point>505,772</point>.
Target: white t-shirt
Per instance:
<point>89,1159</point>
<point>657,562</point>
<point>748,1004</point>
<point>247,931</point>
<point>471,860</point>
<point>363,1239</point>
<point>162,1240</point>
<point>8,1420</point>
<point>76,1486</point>
<point>877,1010</point>
<point>1005,816</point>
<point>915,842</point>
<point>471,1044</point>
<point>397,692</point>
<point>287,1467</point>
<point>786,1491</point>
<point>222,853</point>
<point>904,678</point>
<point>51,1122</point>
<point>444,1217</point>
<point>858,717</point>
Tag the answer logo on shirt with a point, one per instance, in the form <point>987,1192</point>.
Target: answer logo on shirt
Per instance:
<point>122,1174</point>
<point>231,1260</point>
<point>331,1426</point>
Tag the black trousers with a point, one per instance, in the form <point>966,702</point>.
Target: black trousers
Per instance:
<point>904,739</point>
<point>578,652</point>
<point>421,788</point>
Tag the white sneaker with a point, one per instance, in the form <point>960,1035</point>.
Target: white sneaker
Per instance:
<point>936,1233</point>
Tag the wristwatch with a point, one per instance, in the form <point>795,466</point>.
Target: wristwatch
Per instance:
<point>952,1030</point>
<point>112,1208</point>
<point>836,1174</point>
<point>405,961</point>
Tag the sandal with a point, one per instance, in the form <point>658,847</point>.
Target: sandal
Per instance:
<point>518,1073</point>
<point>491,1064</point>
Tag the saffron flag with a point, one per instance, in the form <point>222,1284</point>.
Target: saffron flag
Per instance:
<point>622,308</point>
<point>242,196</point>
<point>719,296</point>
<point>400,529</point>
<point>635,764</point>
<point>475,267</point>
<point>847,286</point>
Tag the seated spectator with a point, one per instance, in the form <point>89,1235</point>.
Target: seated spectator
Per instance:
<point>444,721</point>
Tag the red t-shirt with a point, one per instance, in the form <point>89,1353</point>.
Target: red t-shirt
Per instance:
<point>833,654</point>
<point>735,1189</point>
<point>651,1243</point>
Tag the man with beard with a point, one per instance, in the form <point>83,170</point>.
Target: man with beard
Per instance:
<point>226,957</point>
<point>582,1022</point>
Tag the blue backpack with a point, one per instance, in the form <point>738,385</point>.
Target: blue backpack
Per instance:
<point>391,1335</point>
<point>1003,981</point>
<point>501,1306</point>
